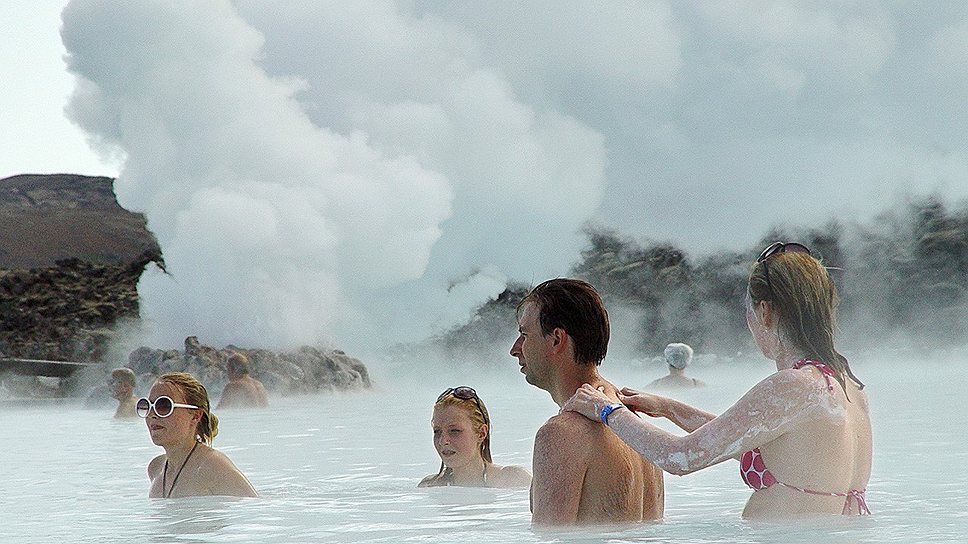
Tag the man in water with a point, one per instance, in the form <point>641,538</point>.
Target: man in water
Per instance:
<point>122,384</point>
<point>677,356</point>
<point>583,472</point>
<point>242,391</point>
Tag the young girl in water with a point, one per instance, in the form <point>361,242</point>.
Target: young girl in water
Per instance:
<point>179,419</point>
<point>802,435</point>
<point>462,438</point>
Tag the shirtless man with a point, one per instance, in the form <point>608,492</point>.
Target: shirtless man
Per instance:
<point>583,472</point>
<point>242,391</point>
<point>122,384</point>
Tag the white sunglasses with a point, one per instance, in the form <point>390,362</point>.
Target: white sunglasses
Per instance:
<point>163,406</point>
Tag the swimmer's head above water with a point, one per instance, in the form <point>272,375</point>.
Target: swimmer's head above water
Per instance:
<point>796,289</point>
<point>122,383</point>
<point>462,436</point>
<point>237,366</point>
<point>573,306</point>
<point>183,388</point>
<point>678,355</point>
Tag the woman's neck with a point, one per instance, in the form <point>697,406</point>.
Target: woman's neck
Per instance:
<point>177,453</point>
<point>572,381</point>
<point>471,474</point>
<point>787,358</point>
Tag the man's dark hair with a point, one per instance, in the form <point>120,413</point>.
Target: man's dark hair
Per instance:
<point>576,307</point>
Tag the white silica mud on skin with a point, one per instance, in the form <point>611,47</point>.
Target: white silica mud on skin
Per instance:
<point>678,459</point>
<point>779,403</point>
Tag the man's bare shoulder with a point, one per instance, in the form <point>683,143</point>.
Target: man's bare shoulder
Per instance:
<point>233,387</point>
<point>566,429</point>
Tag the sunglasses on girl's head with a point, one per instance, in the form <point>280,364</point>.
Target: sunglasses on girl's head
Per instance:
<point>782,247</point>
<point>775,249</point>
<point>163,406</point>
<point>465,393</point>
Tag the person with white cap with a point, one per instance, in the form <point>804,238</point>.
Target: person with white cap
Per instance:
<point>677,356</point>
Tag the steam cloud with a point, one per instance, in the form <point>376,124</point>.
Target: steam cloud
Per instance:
<point>364,172</point>
<point>321,193</point>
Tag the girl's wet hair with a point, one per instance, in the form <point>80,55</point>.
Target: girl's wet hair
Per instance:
<point>805,300</point>
<point>475,408</point>
<point>195,393</point>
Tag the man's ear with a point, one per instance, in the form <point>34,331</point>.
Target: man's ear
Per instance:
<point>559,339</point>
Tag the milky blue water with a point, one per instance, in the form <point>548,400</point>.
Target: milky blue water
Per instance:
<point>343,468</point>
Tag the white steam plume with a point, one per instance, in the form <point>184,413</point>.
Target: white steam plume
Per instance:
<point>323,172</point>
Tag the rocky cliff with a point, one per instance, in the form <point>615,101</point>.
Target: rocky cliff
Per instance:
<point>47,218</point>
<point>70,261</point>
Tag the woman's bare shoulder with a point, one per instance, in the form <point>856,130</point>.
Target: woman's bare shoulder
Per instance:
<point>213,460</point>
<point>427,480</point>
<point>225,477</point>
<point>513,476</point>
<point>155,466</point>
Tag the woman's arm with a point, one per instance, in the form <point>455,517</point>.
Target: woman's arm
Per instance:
<point>771,408</point>
<point>686,417</point>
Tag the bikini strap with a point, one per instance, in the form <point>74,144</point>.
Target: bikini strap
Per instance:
<point>854,495</point>
<point>858,496</point>
<point>824,369</point>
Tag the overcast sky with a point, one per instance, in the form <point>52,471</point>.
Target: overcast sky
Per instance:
<point>437,149</point>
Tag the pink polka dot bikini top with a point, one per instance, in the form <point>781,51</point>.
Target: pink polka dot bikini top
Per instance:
<point>757,476</point>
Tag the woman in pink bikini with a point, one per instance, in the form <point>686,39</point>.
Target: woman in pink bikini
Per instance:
<point>802,435</point>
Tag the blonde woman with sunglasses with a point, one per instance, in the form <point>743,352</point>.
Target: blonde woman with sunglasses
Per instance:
<point>802,435</point>
<point>179,419</point>
<point>462,438</point>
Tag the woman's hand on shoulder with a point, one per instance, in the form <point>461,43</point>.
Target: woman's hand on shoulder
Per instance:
<point>587,401</point>
<point>648,404</point>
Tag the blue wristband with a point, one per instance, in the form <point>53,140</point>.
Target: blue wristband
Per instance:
<point>607,411</point>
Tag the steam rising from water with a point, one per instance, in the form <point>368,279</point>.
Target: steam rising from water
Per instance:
<point>325,193</point>
<point>366,171</point>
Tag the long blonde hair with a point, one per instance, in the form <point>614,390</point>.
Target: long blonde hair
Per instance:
<point>805,300</point>
<point>195,393</point>
<point>478,417</point>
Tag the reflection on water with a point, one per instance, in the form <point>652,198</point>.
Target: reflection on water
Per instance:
<point>343,468</point>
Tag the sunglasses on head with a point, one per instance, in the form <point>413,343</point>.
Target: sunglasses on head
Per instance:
<point>464,392</point>
<point>775,249</point>
<point>782,247</point>
<point>163,406</point>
